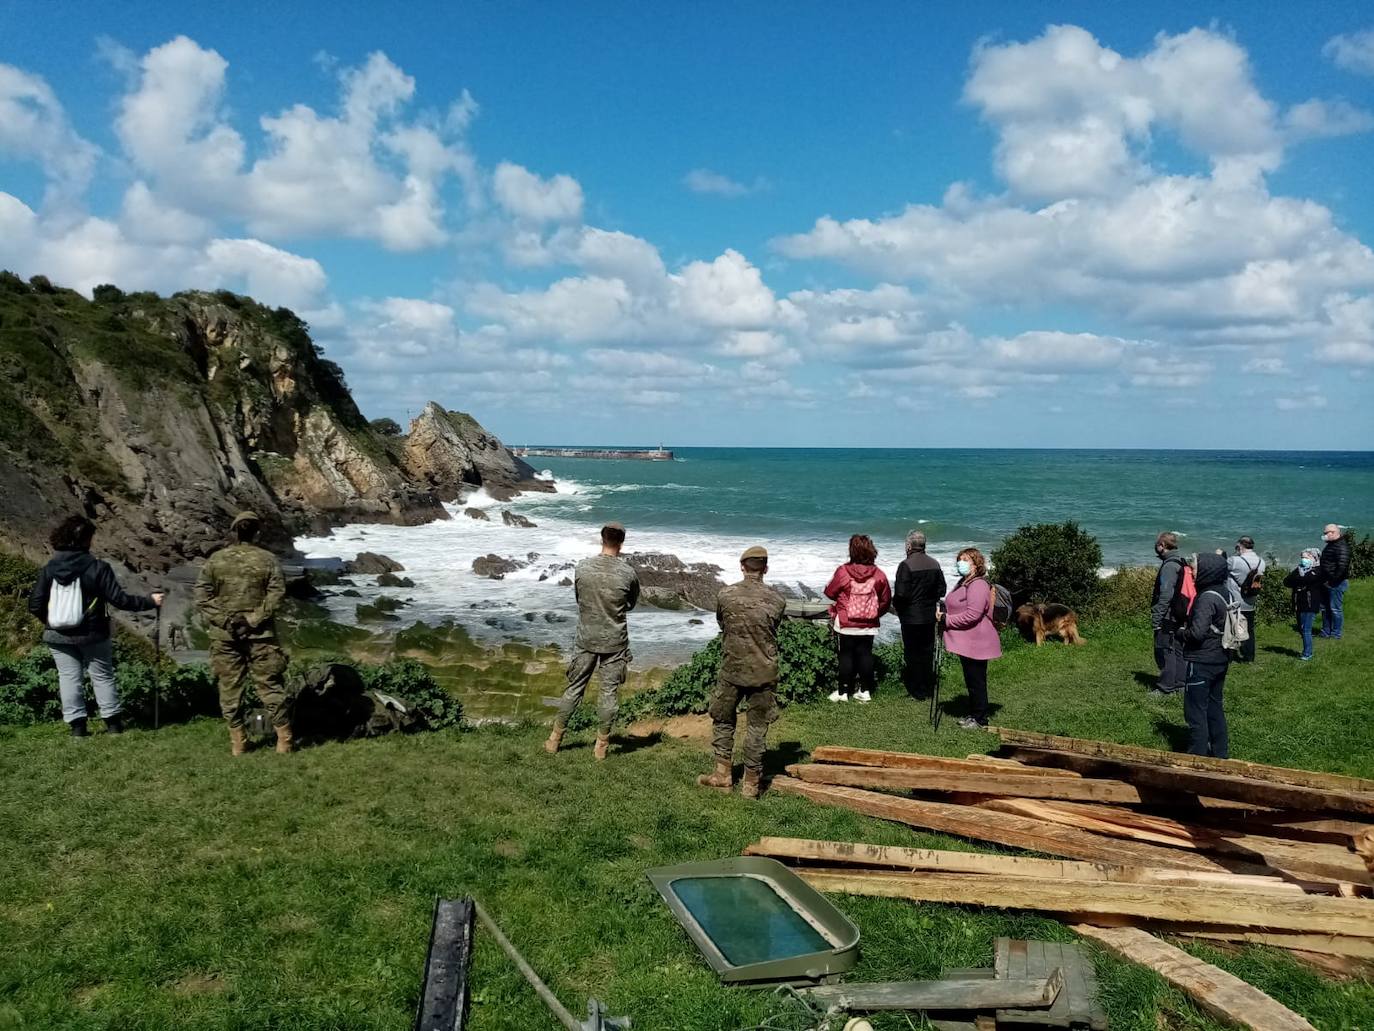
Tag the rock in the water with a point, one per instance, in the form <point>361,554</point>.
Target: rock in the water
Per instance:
<point>668,582</point>
<point>369,562</point>
<point>512,519</point>
<point>477,513</point>
<point>696,622</point>
<point>807,592</point>
<point>494,567</point>
<point>392,580</point>
<point>565,582</point>
<point>452,453</point>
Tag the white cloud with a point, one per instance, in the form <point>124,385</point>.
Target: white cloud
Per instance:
<point>1353,51</point>
<point>703,180</point>
<point>271,275</point>
<point>1303,402</point>
<point>1267,366</point>
<point>34,126</point>
<point>363,173</point>
<point>533,199</point>
<point>1318,118</point>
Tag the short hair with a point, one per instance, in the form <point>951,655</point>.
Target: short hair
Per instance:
<point>1246,542</point>
<point>980,564</point>
<point>613,535</point>
<point>1168,540</point>
<point>861,549</point>
<point>72,534</point>
<point>755,565</point>
<point>915,541</point>
<point>246,532</point>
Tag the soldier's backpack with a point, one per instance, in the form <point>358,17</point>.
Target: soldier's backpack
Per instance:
<point>66,605</point>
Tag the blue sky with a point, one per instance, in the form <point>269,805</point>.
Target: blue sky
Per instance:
<point>945,225</point>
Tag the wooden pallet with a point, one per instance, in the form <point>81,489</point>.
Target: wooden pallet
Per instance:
<point>1076,1006</point>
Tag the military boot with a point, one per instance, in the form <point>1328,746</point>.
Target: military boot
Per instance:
<point>238,741</point>
<point>723,779</point>
<point>752,785</point>
<point>602,746</point>
<point>555,739</point>
<point>285,742</point>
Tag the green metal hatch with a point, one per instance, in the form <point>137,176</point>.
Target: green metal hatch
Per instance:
<point>754,920</point>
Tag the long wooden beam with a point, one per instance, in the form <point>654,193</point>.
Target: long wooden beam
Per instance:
<point>1019,993</point>
<point>1183,760</point>
<point>1202,782</point>
<point>915,761</point>
<point>1002,828</point>
<point>1216,991</point>
<point>1192,905</point>
<point>1294,941</point>
<point>982,782</point>
<point>895,857</point>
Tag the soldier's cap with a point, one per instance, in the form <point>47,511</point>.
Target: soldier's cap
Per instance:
<point>245,517</point>
<point>757,551</point>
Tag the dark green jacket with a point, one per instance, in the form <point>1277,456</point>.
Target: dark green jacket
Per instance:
<point>238,594</point>
<point>749,613</point>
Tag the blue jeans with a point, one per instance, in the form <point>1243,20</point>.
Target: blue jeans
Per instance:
<point>1333,611</point>
<point>1202,707</point>
<point>1305,625</point>
<point>74,663</point>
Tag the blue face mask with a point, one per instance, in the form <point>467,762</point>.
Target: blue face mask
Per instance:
<point>963,565</point>
<point>1305,562</point>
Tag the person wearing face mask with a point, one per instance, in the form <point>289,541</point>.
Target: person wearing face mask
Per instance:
<point>1246,571</point>
<point>1168,634</point>
<point>1335,566</point>
<point>969,632</point>
<point>1308,595</point>
<point>1208,661</point>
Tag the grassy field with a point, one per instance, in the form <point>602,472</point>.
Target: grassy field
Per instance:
<point>150,881</point>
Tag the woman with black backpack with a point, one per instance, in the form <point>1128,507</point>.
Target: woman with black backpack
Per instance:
<point>71,599</point>
<point>970,633</point>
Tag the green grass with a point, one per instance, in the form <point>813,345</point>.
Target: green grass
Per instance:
<point>150,881</point>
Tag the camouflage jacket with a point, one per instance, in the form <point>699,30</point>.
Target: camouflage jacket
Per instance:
<point>607,587</point>
<point>238,593</point>
<point>749,613</point>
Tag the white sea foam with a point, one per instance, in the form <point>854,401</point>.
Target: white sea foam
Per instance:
<point>438,557</point>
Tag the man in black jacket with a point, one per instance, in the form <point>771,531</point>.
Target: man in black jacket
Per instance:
<point>1335,565</point>
<point>1207,661</point>
<point>917,586</point>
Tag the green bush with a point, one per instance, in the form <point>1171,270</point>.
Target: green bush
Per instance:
<point>386,427</point>
<point>1361,555</point>
<point>1125,595</point>
<point>28,688</point>
<point>412,682</point>
<point>1049,562</point>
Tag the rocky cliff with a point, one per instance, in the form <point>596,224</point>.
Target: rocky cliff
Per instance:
<point>161,417</point>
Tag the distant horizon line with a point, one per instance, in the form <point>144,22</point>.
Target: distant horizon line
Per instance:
<point>937,447</point>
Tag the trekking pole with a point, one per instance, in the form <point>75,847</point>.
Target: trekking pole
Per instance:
<point>157,667</point>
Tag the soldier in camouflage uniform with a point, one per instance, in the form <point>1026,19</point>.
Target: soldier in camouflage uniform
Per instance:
<point>749,614</point>
<point>607,587</point>
<point>238,593</point>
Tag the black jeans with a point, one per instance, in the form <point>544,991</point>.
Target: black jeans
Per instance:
<point>856,662</point>
<point>1203,708</point>
<point>918,658</point>
<point>976,680</point>
<point>1169,659</point>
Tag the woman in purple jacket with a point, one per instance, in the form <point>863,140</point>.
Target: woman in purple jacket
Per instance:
<point>969,632</point>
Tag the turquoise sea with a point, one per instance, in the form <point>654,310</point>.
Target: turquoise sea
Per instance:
<point>803,504</point>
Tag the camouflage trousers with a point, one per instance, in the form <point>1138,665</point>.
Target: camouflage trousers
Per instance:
<point>234,663</point>
<point>763,710</point>
<point>613,668</point>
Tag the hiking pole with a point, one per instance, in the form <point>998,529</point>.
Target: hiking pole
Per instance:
<point>938,657</point>
<point>157,667</point>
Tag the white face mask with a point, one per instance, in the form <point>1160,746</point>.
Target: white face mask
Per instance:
<point>963,565</point>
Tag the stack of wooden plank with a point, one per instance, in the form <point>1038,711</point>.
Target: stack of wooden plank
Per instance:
<point>1201,848</point>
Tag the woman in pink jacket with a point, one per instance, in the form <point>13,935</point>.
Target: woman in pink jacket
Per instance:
<point>969,632</point>
<point>861,595</point>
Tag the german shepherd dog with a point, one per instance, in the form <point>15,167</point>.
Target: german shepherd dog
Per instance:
<point>1040,621</point>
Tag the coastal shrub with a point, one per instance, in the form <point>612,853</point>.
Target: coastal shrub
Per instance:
<point>1125,595</point>
<point>1361,555</point>
<point>107,293</point>
<point>1049,562</point>
<point>412,682</point>
<point>28,688</point>
<point>18,630</point>
<point>386,427</point>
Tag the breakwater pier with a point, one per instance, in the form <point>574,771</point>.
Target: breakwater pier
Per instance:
<point>658,454</point>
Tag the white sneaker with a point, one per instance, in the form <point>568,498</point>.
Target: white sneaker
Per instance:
<point>835,696</point>
<point>862,696</point>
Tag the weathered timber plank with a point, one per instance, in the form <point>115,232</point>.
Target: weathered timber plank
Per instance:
<point>1202,782</point>
<point>1308,859</point>
<point>1292,826</point>
<point>899,858</point>
<point>1183,760</point>
<point>939,995</point>
<point>1262,911</point>
<point>915,761</point>
<point>982,782</point>
<point>444,991</point>
<point>1216,991</point>
<point>1002,828</point>
<point>1327,944</point>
